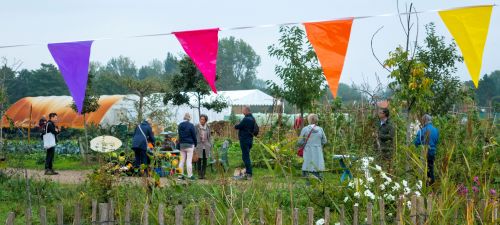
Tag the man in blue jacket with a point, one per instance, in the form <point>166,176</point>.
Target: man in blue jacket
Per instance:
<point>142,135</point>
<point>428,136</point>
<point>246,130</point>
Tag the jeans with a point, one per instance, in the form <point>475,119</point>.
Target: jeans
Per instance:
<point>49,158</point>
<point>187,157</point>
<point>202,164</point>
<point>430,167</point>
<point>140,157</point>
<point>245,150</point>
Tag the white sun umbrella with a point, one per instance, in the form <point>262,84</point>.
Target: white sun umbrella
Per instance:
<point>105,144</point>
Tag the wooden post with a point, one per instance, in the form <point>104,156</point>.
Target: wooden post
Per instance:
<point>212,214</point>
<point>103,213</point>
<point>127,212</point>
<point>229,217</point>
<point>355,215</point>
<point>327,215</point>
<point>494,212</point>
<point>60,214</point>
<point>27,217</point>
<point>10,218</point>
<point>43,215</point>
<point>197,219</point>
<point>342,215</point>
<point>381,208</point>
<point>310,216</point>
<point>78,214</point>
<point>369,214</point>
<point>111,212</point>
<point>145,220</point>
<point>246,216</point>
<point>161,217</point>
<point>421,210</point>
<point>482,208</point>
<point>261,215</point>
<point>413,210</point>
<point>178,215</point>
<point>94,212</point>
<point>295,216</point>
<point>279,217</point>
<point>470,211</point>
<point>399,213</point>
<point>429,209</point>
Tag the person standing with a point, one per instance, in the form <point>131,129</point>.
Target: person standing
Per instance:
<point>142,136</point>
<point>313,138</point>
<point>187,143</point>
<point>204,147</point>
<point>51,127</point>
<point>246,132</point>
<point>385,139</point>
<point>428,136</point>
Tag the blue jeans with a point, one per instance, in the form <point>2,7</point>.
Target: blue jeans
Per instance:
<point>245,150</point>
<point>140,157</point>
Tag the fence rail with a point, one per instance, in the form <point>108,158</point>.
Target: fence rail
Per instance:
<point>485,212</point>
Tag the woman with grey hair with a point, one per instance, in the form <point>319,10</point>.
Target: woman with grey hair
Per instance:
<point>312,137</point>
<point>187,142</point>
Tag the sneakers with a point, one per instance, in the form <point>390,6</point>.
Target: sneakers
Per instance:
<point>182,177</point>
<point>243,177</point>
<point>51,172</point>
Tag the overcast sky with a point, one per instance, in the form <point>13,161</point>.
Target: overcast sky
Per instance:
<point>42,22</point>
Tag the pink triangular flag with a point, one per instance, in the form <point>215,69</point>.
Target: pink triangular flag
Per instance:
<point>72,58</point>
<point>202,47</point>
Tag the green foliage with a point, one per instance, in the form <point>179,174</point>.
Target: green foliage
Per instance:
<point>91,101</point>
<point>191,80</point>
<point>303,82</point>
<point>488,90</point>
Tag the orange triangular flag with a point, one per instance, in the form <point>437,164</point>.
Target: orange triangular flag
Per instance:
<point>330,40</point>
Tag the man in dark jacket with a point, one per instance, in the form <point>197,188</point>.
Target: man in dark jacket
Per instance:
<point>385,139</point>
<point>428,137</point>
<point>245,134</point>
<point>142,135</point>
<point>49,158</point>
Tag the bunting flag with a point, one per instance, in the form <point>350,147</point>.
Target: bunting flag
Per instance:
<point>72,58</point>
<point>469,27</point>
<point>202,47</point>
<point>330,40</point>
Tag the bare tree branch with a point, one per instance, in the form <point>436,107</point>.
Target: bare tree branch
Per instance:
<point>373,51</point>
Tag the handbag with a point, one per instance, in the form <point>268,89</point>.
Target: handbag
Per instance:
<point>49,139</point>
<point>196,157</point>
<point>300,152</point>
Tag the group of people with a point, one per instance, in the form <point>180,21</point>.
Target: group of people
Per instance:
<point>197,140</point>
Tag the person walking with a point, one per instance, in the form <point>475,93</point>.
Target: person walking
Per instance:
<point>204,147</point>
<point>142,136</point>
<point>187,142</point>
<point>247,129</point>
<point>385,139</point>
<point>50,141</point>
<point>428,137</point>
<point>313,138</point>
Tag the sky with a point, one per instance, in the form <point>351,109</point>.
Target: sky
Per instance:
<point>42,22</point>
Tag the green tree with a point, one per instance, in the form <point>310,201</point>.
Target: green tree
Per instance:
<point>122,66</point>
<point>171,64</point>
<point>303,82</point>
<point>440,60</point>
<point>143,89</point>
<point>189,79</point>
<point>153,69</point>
<point>488,91</point>
<point>237,64</point>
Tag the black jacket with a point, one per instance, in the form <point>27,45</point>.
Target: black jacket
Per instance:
<point>51,128</point>
<point>246,128</point>
<point>187,133</point>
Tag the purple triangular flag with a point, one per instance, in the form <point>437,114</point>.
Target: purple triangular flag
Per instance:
<point>72,58</point>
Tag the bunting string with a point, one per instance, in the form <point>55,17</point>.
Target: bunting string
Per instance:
<point>253,27</point>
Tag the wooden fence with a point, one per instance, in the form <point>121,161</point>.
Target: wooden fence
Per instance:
<point>420,213</point>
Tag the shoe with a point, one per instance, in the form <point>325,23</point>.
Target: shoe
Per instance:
<point>248,177</point>
<point>50,172</point>
<point>55,173</point>
<point>181,177</point>
<point>192,178</point>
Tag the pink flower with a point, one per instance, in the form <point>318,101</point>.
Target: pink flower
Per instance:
<point>462,190</point>
<point>475,189</point>
<point>493,192</point>
<point>476,180</point>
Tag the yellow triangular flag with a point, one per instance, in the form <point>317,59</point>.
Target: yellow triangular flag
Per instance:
<point>469,27</point>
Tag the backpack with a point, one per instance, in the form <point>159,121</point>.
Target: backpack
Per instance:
<point>256,128</point>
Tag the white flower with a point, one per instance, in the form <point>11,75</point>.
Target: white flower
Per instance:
<point>356,204</point>
<point>389,214</point>
<point>396,187</point>
<point>351,184</point>
<point>369,194</point>
<point>408,203</point>
<point>346,199</point>
<point>417,193</point>
<point>407,190</point>
<point>387,183</point>
<point>370,158</point>
<point>405,183</point>
<point>357,194</point>
<point>382,187</point>
<point>419,185</point>
<point>320,221</point>
<point>377,167</point>
<point>370,180</point>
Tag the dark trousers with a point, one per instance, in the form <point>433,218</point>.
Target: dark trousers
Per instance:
<point>49,158</point>
<point>245,150</point>
<point>202,164</point>
<point>140,157</point>
<point>430,167</point>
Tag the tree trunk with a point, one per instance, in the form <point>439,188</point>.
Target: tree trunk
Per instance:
<point>86,138</point>
<point>199,105</point>
<point>141,105</point>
